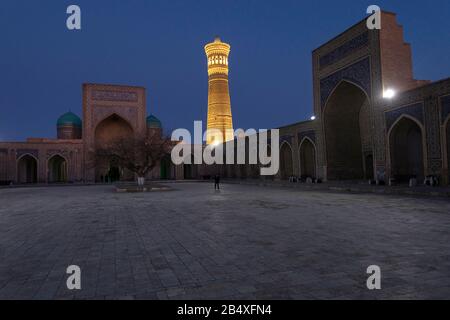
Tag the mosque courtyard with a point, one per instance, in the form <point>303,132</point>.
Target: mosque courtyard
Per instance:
<point>244,242</point>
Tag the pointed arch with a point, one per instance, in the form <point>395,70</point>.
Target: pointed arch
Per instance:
<point>406,146</point>
<point>344,80</point>
<point>108,130</point>
<point>57,169</point>
<point>286,160</point>
<point>112,127</point>
<point>27,168</point>
<point>342,131</point>
<point>307,155</point>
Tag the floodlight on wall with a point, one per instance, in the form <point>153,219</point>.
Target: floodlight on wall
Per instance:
<point>215,143</point>
<point>313,118</point>
<point>389,93</point>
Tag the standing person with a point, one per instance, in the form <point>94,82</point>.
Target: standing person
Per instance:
<point>216,182</point>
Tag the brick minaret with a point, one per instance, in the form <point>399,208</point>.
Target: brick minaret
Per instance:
<point>219,105</point>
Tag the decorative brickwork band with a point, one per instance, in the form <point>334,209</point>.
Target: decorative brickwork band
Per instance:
<point>346,49</point>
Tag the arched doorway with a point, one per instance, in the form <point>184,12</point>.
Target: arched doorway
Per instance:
<point>57,169</point>
<point>343,133</point>
<point>368,167</point>
<point>109,130</point>
<point>114,171</point>
<point>406,150</point>
<point>254,171</point>
<point>307,159</point>
<point>242,171</point>
<point>166,163</point>
<point>286,165</point>
<point>27,169</point>
<point>448,147</point>
<point>190,170</point>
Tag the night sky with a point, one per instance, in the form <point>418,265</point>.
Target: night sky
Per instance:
<point>159,45</point>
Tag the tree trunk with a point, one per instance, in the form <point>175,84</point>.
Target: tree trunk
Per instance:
<point>141,181</point>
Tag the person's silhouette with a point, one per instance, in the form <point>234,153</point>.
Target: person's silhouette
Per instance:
<point>216,182</point>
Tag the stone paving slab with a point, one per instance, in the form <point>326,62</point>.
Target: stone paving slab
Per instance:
<point>349,187</point>
<point>243,242</point>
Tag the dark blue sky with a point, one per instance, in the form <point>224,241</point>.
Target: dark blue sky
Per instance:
<point>159,45</point>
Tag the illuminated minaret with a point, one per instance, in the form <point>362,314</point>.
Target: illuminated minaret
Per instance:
<point>219,105</point>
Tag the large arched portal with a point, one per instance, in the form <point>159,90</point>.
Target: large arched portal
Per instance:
<point>406,150</point>
<point>109,130</point>
<point>343,133</point>
<point>307,159</point>
<point>27,169</point>
<point>286,165</point>
<point>57,169</point>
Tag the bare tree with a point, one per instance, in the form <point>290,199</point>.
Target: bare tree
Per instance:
<point>137,154</point>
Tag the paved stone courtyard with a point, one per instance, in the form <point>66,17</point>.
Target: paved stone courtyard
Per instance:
<point>244,242</point>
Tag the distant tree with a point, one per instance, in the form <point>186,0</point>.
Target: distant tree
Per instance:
<point>137,154</point>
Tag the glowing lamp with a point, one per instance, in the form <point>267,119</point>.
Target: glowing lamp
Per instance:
<point>388,94</point>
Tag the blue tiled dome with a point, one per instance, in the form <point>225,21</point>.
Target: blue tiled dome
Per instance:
<point>153,122</point>
<point>69,118</point>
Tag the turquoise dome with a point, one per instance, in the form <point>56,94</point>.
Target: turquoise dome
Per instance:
<point>69,118</point>
<point>153,122</point>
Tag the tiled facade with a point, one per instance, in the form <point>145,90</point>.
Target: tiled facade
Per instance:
<point>350,74</point>
<point>382,62</point>
<point>357,133</point>
<point>107,109</point>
